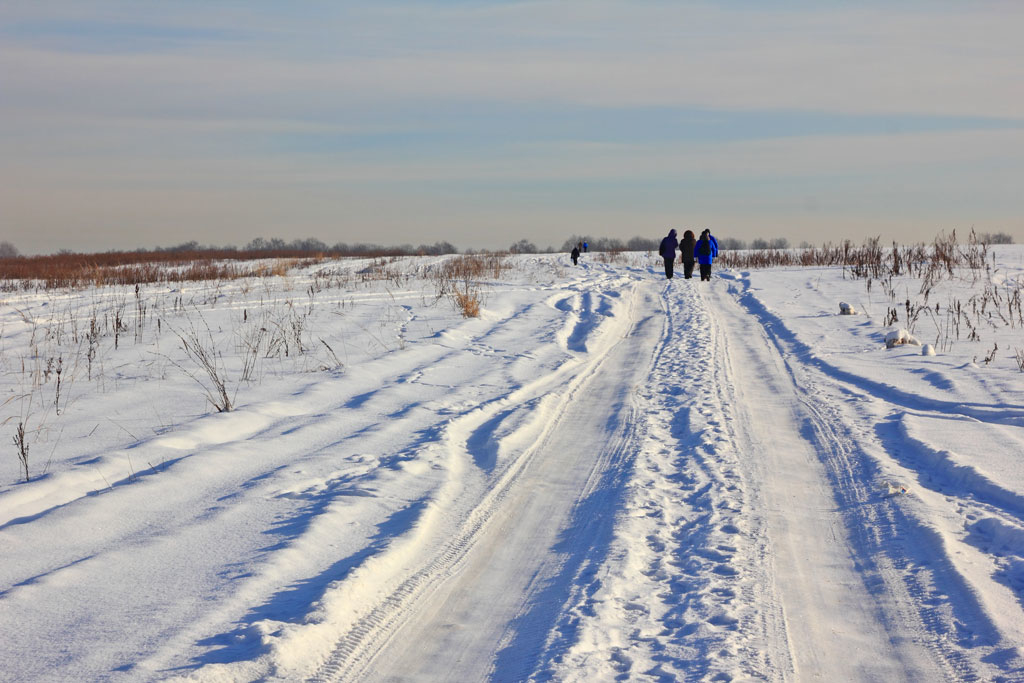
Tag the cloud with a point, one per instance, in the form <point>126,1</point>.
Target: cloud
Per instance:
<point>911,58</point>
<point>778,158</point>
<point>246,116</point>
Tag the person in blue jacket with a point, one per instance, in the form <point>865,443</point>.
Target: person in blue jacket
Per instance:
<point>667,251</point>
<point>705,251</point>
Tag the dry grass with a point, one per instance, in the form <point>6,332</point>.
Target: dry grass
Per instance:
<point>474,267</point>
<point>459,279</point>
<point>468,302</point>
<point>909,277</point>
<point>611,256</point>
<point>75,271</point>
<point>871,259</point>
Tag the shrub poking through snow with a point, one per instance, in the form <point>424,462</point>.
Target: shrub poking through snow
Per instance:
<point>459,280</point>
<point>202,350</point>
<point>846,309</point>
<point>22,446</point>
<point>467,300</point>
<point>900,337</point>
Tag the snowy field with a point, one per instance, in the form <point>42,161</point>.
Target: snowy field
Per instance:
<point>604,476</point>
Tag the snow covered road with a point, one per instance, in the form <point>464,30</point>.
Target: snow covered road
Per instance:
<point>606,476</point>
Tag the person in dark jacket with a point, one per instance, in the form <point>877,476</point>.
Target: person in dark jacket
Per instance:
<point>705,251</point>
<point>575,255</point>
<point>686,252</point>
<point>667,250</point>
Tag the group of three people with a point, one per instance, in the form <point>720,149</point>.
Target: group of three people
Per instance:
<point>704,250</point>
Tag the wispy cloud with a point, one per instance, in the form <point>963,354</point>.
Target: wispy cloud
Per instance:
<point>221,101</point>
<point>881,60</point>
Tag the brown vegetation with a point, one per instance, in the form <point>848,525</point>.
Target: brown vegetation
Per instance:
<point>131,268</point>
<point>871,260</point>
<point>897,270</point>
<point>459,279</point>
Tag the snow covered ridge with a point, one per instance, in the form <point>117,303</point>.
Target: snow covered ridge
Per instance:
<point>602,474</point>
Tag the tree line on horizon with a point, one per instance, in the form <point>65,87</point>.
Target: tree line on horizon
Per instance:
<point>277,247</point>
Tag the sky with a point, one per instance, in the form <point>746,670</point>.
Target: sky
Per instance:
<point>137,123</point>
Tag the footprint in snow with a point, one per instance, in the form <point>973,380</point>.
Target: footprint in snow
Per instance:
<point>724,621</point>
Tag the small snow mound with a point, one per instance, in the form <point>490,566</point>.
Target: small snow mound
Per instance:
<point>899,338</point>
<point>846,309</point>
<point>927,350</point>
<point>893,488</point>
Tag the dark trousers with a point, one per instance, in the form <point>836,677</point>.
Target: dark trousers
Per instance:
<point>688,269</point>
<point>669,262</point>
<point>705,271</point>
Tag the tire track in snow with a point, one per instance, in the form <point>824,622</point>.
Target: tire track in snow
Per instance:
<point>760,521</point>
<point>913,574</point>
<point>460,524</point>
<point>789,344</point>
<point>380,478</point>
<point>294,453</point>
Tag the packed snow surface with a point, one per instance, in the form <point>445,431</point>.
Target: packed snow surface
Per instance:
<point>604,476</point>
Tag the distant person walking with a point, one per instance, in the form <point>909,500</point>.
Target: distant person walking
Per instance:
<point>706,250</point>
<point>686,252</point>
<point>667,250</point>
<point>575,255</point>
<point>586,247</point>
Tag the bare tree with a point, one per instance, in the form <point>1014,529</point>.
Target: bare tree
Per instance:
<point>523,246</point>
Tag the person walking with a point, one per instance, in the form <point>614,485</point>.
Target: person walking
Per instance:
<point>575,255</point>
<point>668,251</point>
<point>706,250</point>
<point>686,252</point>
